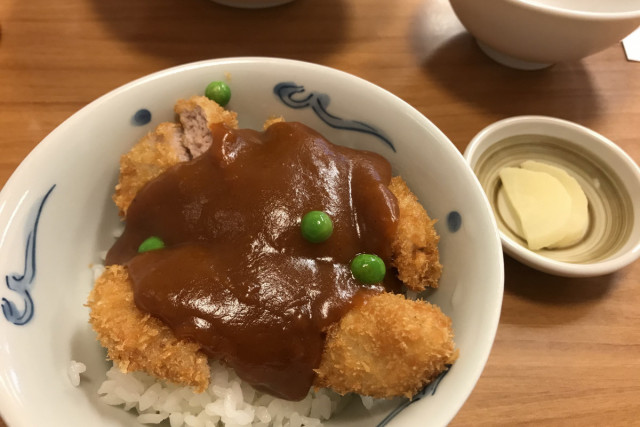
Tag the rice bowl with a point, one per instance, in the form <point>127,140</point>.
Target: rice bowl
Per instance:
<point>73,225</point>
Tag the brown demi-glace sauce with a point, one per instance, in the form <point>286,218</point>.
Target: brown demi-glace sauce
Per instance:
<point>236,275</point>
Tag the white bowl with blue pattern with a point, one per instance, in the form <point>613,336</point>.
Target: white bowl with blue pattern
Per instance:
<point>56,217</point>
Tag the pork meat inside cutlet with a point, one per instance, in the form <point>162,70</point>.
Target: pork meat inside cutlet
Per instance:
<point>418,334</point>
<point>196,114</point>
<point>169,144</point>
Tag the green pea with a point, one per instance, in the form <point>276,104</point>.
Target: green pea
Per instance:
<point>316,226</point>
<point>368,268</point>
<point>151,244</point>
<point>219,92</point>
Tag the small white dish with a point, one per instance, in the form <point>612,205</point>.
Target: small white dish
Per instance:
<point>607,175</point>
<point>56,217</point>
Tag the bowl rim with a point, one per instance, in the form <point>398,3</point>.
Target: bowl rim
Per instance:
<point>492,318</point>
<point>575,14</point>
<point>546,123</point>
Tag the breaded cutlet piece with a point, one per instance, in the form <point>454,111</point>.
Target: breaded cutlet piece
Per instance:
<point>387,347</point>
<point>196,114</point>
<point>169,144</point>
<point>415,257</point>
<point>137,341</point>
<point>415,247</point>
<point>152,155</point>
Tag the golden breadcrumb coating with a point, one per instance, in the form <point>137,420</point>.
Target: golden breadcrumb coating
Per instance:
<point>151,156</point>
<point>415,247</point>
<point>389,346</point>
<point>136,341</point>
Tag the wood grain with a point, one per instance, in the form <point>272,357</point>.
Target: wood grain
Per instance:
<point>567,351</point>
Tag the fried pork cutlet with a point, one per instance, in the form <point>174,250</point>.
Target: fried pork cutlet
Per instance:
<point>168,144</point>
<point>415,247</point>
<point>195,115</point>
<point>386,347</point>
<point>151,156</point>
<point>137,341</point>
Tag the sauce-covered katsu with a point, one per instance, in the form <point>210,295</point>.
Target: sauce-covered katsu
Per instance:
<point>216,262</point>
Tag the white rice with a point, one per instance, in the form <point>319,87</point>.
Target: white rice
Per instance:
<point>228,401</point>
<point>74,370</point>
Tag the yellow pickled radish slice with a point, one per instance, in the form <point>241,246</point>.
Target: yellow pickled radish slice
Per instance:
<point>508,213</point>
<point>579,218</point>
<point>541,203</point>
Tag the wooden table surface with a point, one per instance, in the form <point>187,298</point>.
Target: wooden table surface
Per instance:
<point>567,351</point>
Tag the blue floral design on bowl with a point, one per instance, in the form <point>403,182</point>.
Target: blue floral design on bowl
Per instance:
<point>428,390</point>
<point>22,284</point>
<point>141,117</point>
<point>293,95</point>
<point>454,221</point>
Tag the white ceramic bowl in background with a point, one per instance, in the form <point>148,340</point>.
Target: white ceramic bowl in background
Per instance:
<point>56,216</point>
<point>533,34</point>
<point>608,176</point>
